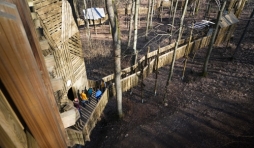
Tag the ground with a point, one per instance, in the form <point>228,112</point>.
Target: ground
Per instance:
<point>212,111</point>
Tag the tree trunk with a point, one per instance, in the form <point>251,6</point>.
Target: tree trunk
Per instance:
<point>87,25</point>
<point>242,37</point>
<point>131,24</point>
<point>173,21</point>
<point>174,53</point>
<point>113,18</point>
<point>151,15</point>
<point>135,32</point>
<point>207,11</point>
<point>171,8</point>
<point>148,16</point>
<point>186,56</point>
<point>208,54</point>
<point>197,7</point>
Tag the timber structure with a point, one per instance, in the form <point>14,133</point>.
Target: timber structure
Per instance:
<point>42,68</point>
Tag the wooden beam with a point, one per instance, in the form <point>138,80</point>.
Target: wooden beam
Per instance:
<point>12,131</point>
<point>24,75</point>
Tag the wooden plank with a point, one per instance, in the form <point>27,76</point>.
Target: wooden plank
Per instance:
<point>12,131</point>
<point>21,75</point>
<point>68,118</point>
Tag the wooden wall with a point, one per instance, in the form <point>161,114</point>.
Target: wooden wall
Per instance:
<point>25,77</point>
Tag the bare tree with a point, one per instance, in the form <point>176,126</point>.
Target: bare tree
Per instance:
<point>135,32</point>
<point>151,15</point>
<point>242,37</point>
<point>172,25</point>
<point>174,53</point>
<point>131,23</point>
<point>210,48</point>
<point>87,24</point>
<point>113,18</point>
<point>186,55</point>
<point>148,16</point>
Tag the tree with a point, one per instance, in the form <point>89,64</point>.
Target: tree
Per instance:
<point>174,53</point>
<point>135,32</point>
<point>210,48</point>
<point>151,15</point>
<point>113,18</point>
<point>173,21</point>
<point>131,24</point>
<point>148,16</point>
<point>87,25</point>
<point>242,37</point>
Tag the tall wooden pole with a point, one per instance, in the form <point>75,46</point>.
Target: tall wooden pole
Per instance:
<point>208,54</point>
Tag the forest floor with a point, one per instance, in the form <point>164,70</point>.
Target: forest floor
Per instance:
<point>212,111</point>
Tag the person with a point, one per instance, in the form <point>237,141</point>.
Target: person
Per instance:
<point>84,99</point>
<point>103,85</point>
<point>89,93</point>
<point>76,104</point>
<point>98,94</point>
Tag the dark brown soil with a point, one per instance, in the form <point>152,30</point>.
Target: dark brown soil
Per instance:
<point>212,111</point>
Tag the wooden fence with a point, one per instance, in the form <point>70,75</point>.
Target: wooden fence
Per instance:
<point>131,75</point>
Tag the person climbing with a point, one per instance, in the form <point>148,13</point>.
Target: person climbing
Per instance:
<point>76,104</point>
<point>89,93</point>
<point>98,94</point>
<point>84,99</point>
<point>103,85</point>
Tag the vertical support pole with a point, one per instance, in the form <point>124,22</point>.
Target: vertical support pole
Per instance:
<point>156,71</point>
<point>142,79</point>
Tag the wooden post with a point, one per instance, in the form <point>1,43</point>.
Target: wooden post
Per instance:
<point>142,78</point>
<point>25,77</point>
<point>147,61</point>
<point>156,71</point>
<point>146,58</point>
